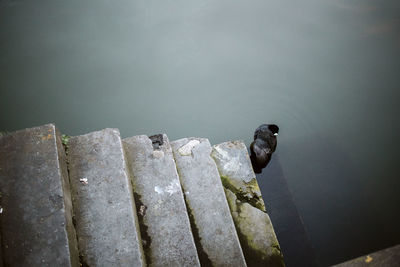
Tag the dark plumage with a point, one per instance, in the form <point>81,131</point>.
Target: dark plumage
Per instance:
<point>263,146</point>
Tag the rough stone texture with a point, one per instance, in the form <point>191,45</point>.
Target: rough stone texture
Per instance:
<point>162,210</point>
<point>255,230</point>
<point>36,220</point>
<point>236,172</point>
<point>212,225</point>
<point>256,233</point>
<point>389,257</point>
<point>105,214</point>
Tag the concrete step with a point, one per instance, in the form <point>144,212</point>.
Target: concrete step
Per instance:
<point>211,221</point>
<point>36,210</point>
<point>255,230</point>
<point>389,257</point>
<point>164,222</point>
<point>137,202</point>
<point>105,214</point>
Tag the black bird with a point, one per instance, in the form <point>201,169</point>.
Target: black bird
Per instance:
<point>263,146</point>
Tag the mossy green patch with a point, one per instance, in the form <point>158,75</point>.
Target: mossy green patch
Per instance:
<point>245,192</point>
<point>4,133</point>
<point>65,139</point>
<point>255,232</point>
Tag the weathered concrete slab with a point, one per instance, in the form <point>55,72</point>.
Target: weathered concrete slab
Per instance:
<point>212,224</point>
<point>36,210</point>
<point>158,194</point>
<point>256,233</point>
<point>389,257</point>
<point>105,214</point>
<point>254,227</point>
<point>234,166</point>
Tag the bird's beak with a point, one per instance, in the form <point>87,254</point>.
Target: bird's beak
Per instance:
<point>275,134</point>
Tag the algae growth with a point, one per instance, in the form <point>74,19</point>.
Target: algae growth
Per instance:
<point>245,192</point>
<point>255,231</point>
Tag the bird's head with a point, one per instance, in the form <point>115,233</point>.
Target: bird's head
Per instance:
<point>274,129</point>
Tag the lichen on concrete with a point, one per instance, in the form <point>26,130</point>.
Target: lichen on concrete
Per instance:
<point>64,140</point>
<point>257,237</point>
<point>4,133</point>
<point>246,192</point>
<point>145,237</point>
<point>236,172</point>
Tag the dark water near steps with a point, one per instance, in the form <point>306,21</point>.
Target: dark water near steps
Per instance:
<point>327,72</point>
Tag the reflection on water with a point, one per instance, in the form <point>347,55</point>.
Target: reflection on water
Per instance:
<point>324,71</point>
<point>288,224</point>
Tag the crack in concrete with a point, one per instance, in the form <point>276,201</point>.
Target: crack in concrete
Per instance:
<point>146,239</point>
<point>202,254</point>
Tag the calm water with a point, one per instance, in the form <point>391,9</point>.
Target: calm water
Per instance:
<point>327,72</point>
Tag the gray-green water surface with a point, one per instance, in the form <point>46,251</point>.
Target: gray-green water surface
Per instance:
<point>327,72</point>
